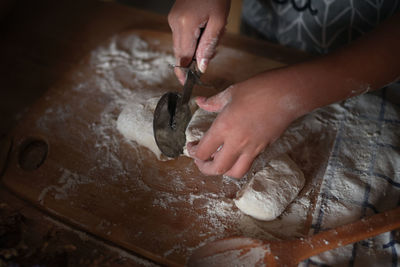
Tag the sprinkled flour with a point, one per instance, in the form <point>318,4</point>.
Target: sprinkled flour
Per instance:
<point>348,152</point>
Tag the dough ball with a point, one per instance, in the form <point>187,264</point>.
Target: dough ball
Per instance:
<point>271,189</point>
<point>135,123</point>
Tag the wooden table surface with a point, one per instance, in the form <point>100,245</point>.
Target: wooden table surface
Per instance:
<point>40,42</point>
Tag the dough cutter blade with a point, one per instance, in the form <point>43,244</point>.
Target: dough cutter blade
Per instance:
<point>172,115</point>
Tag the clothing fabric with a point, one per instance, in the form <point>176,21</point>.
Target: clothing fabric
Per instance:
<point>318,26</point>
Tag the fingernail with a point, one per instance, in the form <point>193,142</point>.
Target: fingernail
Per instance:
<point>203,65</point>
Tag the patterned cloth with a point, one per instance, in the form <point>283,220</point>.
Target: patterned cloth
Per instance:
<point>362,177</point>
<point>363,172</point>
<point>317,26</point>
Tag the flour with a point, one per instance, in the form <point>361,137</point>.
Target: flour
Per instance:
<point>133,56</point>
<point>348,153</point>
<point>124,64</point>
<point>68,181</point>
<point>218,213</point>
<point>355,123</point>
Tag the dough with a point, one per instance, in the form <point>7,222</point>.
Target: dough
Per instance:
<point>271,189</point>
<point>135,123</point>
<point>198,125</point>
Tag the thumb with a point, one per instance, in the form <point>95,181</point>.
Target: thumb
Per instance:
<point>215,103</point>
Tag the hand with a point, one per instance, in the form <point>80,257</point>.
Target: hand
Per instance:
<point>252,115</point>
<point>185,19</point>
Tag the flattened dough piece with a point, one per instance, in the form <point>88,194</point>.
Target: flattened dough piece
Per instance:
<point>271,189</point>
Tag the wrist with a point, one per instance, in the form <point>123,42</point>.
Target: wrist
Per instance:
<point>288,90</point>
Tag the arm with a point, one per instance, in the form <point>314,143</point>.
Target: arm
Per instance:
<point>255,112</point>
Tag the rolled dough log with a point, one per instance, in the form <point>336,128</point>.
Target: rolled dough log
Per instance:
<point>270,190</point>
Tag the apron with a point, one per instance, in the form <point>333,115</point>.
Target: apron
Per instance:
<point>318,26</point>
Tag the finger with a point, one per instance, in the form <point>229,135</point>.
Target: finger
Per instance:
<point>215,103</point>
<point>185,40</point>
<point>209,41</point>
<point>208,145</point>
<point>180,74</point>
<point>221,163</point>
<point>241,166</point>
<point>184,34</point>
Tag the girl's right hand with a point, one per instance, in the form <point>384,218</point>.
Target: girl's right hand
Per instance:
<point>185,19</point>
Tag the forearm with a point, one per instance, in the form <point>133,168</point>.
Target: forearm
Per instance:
<point>367,64</point>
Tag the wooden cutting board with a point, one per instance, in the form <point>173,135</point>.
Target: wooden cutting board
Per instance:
<point>68,159</point>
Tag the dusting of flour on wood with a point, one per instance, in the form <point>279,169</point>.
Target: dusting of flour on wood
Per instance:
<point>215,210</point>
<point>343,150</point>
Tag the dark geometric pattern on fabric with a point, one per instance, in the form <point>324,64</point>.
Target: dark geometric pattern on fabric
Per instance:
<point>375,173</point>
<point>325,26</point>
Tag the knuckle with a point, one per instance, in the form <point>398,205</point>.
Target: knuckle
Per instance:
<point>178,21</point>
<point>184,19</point>
<point>244,141</point>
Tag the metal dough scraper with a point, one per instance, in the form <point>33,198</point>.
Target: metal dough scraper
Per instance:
<point>172,115</point>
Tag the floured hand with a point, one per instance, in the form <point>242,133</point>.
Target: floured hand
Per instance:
<point>253,114</point>
<point>185,19</point>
